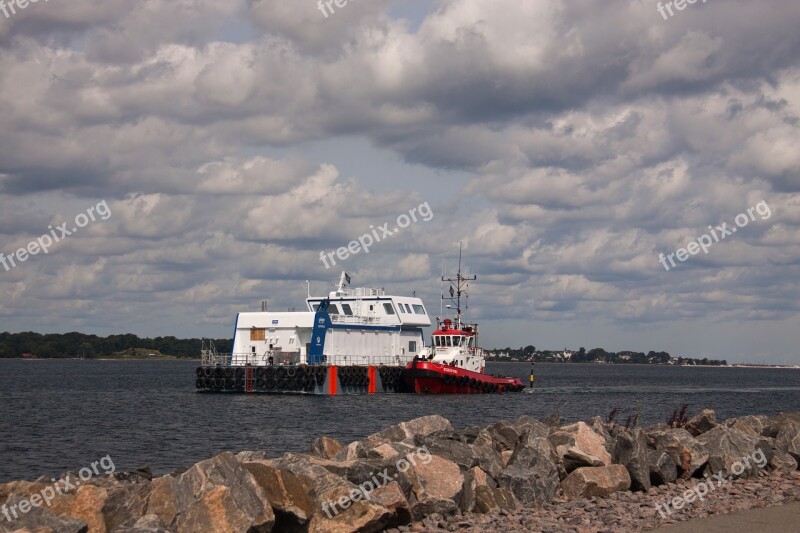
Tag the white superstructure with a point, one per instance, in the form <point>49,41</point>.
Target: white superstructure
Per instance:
<point>356,326</point>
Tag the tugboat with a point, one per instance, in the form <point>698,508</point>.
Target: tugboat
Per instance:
<point>454,364</point>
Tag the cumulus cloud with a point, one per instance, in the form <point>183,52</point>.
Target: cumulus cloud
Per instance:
<point>594,136</point>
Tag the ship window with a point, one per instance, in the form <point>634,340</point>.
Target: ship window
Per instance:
<point>257,334</point>
<point>315,307</point>
<point>449,340</point>
<point>388,308</point>
<point>333,310</point>
<point>412,346</point>
<point>419,309</point>
<point>347,309</point>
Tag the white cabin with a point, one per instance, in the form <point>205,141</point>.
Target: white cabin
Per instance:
<point>361,326</point>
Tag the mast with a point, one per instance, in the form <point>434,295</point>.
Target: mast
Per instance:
<point>458,286</point>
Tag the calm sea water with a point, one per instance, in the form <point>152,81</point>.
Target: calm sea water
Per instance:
<point>62,415</point>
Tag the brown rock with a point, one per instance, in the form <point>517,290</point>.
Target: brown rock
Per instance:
<point>592,481</point>
<point>702,422</point>
<point>392,497</point>
<point>325,447</point>
<point>218,494</point>
<point>308,497</point>
<point>489,499</point>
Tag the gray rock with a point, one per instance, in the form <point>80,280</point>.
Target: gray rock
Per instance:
<point>39,519</point>
<point>661,467</point>
<point>729,452</point>
<point>750,425</point>
<point>686,452</point>
<point>532,474</point>
<point>147,524</point>
<point>788,439</point>
<point>630,450</point>
<point>451,446</point>
<point>407,431</point>
<point>354,450</point>
<point>702,422</point>
<point>782,461</point>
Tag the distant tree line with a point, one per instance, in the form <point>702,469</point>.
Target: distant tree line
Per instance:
<point>596,355</point>
<point>64,345</point>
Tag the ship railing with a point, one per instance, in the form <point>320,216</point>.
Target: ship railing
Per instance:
<point>363,320</point>
<point>241,359</point>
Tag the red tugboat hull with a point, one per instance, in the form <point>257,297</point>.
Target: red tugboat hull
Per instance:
<point>424,377</point>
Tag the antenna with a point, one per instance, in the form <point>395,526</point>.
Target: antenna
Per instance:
<point>458,286</point>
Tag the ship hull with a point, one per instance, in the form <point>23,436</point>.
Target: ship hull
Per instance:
<point>424,377</point>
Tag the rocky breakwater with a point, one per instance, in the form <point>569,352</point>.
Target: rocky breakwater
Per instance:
<point>425,475</point>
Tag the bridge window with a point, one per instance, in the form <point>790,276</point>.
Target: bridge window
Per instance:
<point>419,309</point>
<point>449,340</point>
<point>347,309</point>
<point>333,310</point>
<point>388,308</point>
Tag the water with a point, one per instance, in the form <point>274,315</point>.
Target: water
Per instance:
<point>63,415</point>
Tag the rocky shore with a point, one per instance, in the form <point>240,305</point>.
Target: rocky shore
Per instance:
<point>424,475</point>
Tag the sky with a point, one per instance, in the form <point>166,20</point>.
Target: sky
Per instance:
<point>564,144</point>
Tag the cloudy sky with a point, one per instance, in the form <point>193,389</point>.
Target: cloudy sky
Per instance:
<point>565,143</point>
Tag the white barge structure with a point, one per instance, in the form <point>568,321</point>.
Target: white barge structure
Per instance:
<point>355,340</point>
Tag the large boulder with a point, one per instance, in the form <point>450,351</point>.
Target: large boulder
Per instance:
<point>407,431</point>
<point>782,461</point>
<point>788,440</point>
<point>489,499</point>
<point>630,450</point>
<point>147,524</point>
<point>308,497</point>
<point>218,494</point>
<point>601,481</point>
<point>102,503</point>
<point>504,436</point>
<point>532,474</point>
<point>752,425</point>
<point>774,424</point>
<point>686,452</point>
<point>325,447</point>
<point>702,422</point>
<point>354,450</point>
<point>34,518</point>
<point>731,452</point>
<point>473,478</point>
<point>456,447</point>
<point>581,437</point>
<point>436,487</point>
<point>526,424</point>
<point>661,467</point>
